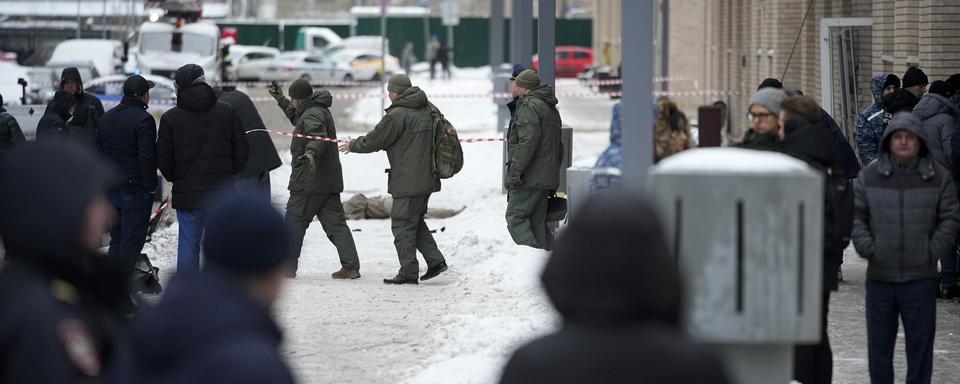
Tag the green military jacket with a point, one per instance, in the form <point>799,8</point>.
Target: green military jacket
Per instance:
<point>313,118</point>
<point>533,144</point>
<point>406,133</point>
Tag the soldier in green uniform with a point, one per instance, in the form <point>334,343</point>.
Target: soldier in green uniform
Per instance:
<point>406,133</point>
<point>317,180</point>
<point>534,160</point>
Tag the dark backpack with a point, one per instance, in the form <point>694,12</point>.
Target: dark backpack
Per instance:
<point>838,203</point>
<point>447,152</point>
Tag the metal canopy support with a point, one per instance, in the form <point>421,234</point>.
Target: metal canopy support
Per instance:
<point>637,31</point>
<point>547,43</point>
<point>826,66</point>
<point>521,31</point>
<point>496,34</point>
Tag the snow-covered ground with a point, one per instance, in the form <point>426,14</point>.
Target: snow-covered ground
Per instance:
<point>458,328</point>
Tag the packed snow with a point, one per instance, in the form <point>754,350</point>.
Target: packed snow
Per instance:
<point>458,328</point>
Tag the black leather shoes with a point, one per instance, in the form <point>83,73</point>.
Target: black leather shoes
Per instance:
<point>434,271</point>
<point>398,280</point>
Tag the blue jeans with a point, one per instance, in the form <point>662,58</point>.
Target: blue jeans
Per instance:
<point>916,304</point>
<point>191,231</point>
<point>129,232</point>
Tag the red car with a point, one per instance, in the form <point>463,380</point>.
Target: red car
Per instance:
<point>571,60</point>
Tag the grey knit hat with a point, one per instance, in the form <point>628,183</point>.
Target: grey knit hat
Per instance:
<point>528,79</point>
<point>769,98</point>
<point>399,83</point>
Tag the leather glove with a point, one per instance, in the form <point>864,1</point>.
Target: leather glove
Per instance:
<point>513,180</point>
<point>275,91</point>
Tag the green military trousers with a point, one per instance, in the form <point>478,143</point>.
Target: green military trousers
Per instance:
<point>301,209</point>
<point>527,217</point>
<point>410,234</point>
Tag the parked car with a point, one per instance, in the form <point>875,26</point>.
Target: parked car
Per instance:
<point>248,62</point>
<point>571,60</point>
<point>363,64</point>
<point>41,85</point>
<point>109,89</point>
<point>290,66</point>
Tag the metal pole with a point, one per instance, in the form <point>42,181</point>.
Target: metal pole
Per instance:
<point>383,55</point>
<point>450,43</point>
<point>496,35</point>
<point>103,19</point>
<point>637,32</point>
<point>665,44</point>
<point>521,29</point>
<point>79,24</point>
<point>547,40</point>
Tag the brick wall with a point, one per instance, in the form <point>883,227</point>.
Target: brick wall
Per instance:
<point>940,33</point>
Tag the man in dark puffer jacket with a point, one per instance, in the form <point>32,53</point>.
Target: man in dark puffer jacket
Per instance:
<point>905,218</point>
<point>201,147</point>
<point>255,176</point>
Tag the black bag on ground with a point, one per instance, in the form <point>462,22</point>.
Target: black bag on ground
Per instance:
<point>556,209</point>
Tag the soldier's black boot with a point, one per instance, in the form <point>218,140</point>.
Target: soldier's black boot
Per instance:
<point>434,271</point>
<point>398,280</point>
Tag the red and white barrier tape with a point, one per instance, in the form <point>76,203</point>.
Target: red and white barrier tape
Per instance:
<point>340,141</point>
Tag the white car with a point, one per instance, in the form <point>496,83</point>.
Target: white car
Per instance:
<point>301,64</point>
<point>247,62</point>
<point>109,89</point>
<point>362,64</point>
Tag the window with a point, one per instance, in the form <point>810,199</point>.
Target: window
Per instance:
<point>581,55</point>
<point>320,42</point>
<point>312,59</point>
<point>563,55</point>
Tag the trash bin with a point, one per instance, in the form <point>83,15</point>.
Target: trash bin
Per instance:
<point>746,229</point>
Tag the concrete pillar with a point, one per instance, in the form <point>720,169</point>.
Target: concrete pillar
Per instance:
<point>521,32</point>
<point>546,46</point>
<point>637,92</point>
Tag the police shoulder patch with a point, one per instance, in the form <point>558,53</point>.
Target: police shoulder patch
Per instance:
<point>79,346</point>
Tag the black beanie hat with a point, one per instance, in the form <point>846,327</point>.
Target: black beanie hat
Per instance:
<point>942,88</point>
<point>899,100</point>
<point>914,76</point>
<point>245,233</point>
<point>892,80</point>
<point>770,83</point>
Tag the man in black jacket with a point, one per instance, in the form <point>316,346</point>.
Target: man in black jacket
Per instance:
<point>53,123</point>
<point>201,147</point>
<point>88,111</point>
<point>216,325</point>
<point>255,176</point>
<point>127,139</point>
<point>805,138</point>
<point>59,299</point>
<point>620,306</point>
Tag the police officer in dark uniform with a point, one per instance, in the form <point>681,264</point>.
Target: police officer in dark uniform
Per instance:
<point>59,299</point>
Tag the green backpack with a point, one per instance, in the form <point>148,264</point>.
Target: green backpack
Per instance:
<point>447,152</point>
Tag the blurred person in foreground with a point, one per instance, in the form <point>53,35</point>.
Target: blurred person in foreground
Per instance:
<point>61,300</point>
<point>621,306</point>
<point>217,325</point>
